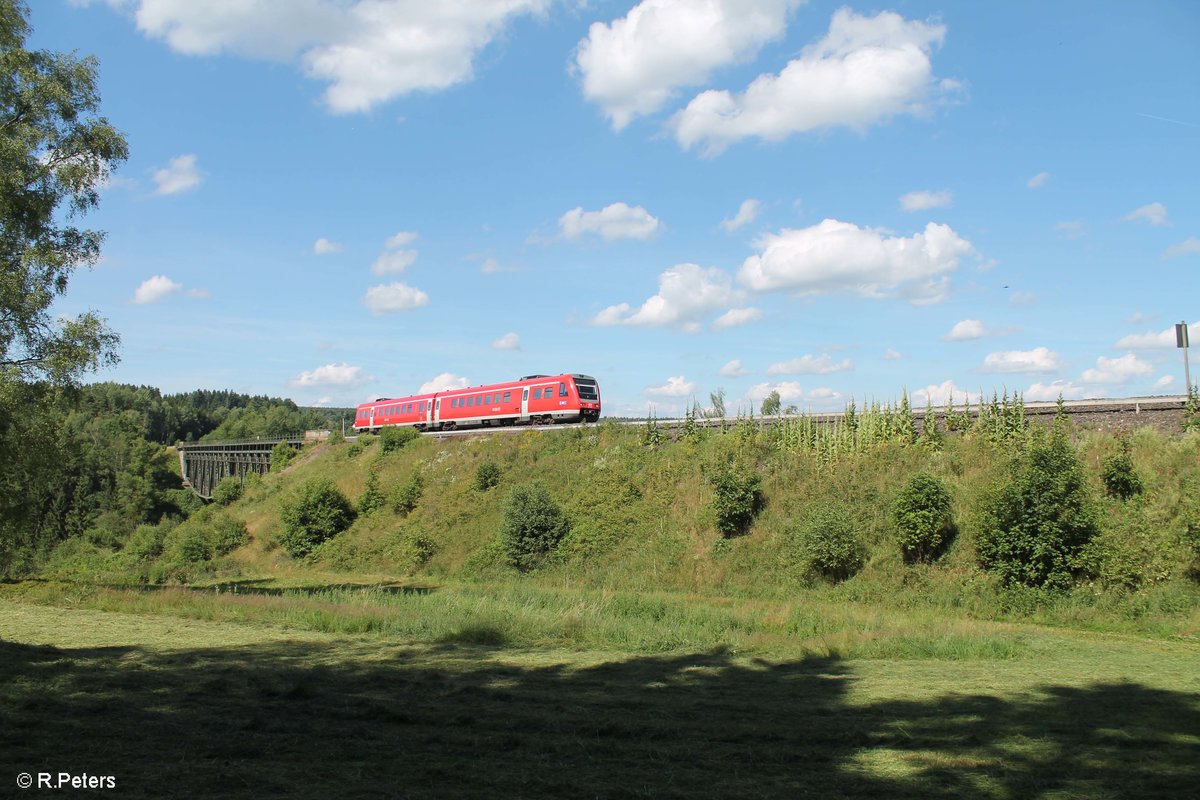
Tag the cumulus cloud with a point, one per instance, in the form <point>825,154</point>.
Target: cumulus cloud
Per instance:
<point>1039,359</point>
<point>180,175</point>
<point>1043,392</point>
<point>676,386</point>
<point>331,375</point>
<point>810,365</point>
<point>966,330</point>
<point>1038,181</point>
<point>735,317</point>
<point>835,256</point>
<point>394,259</point>
<point>634,65</point>
<point>443,382</point>
<point>324,247</point>
<point>1151,340</point>
<point>1117,370</point>
<point>864,71</point>
<point>400,239</point>
<point>687,294</point>
<point>391,297</point>
<point>924,200</point>
<point>892,355</point>
<point>940,394</point>
<point>733,369</point>
<point>154,289</point>
<point>367,51</point>
<point>1188,246</point>
<point>1152,213</point>
<point>792,393</point>
<point>747,212</point>
<point>1164,381</point>
<point>509,341</point>
<point>616,221</point>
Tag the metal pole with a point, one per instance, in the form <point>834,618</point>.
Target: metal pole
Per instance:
<point>1181,340</point>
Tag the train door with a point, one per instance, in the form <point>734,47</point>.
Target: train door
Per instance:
<point>437,410</point>
<point>525,403</point>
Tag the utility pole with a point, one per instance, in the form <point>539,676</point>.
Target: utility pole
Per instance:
<point>1181,340</point>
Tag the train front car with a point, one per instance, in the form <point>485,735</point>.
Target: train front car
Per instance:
<point>587,390</point>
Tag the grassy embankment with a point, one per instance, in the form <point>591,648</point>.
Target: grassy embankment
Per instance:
<point>652,657</point>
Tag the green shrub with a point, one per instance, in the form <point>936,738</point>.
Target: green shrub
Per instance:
<point>921,513</point>
<point>188,544</point>
<point>1035,525</point>
<point>282,455</point>
<point>372,496</point>
<point>737,496</point>
<point>487,476</point>
<point>317,512</point>
<point>1121,479</point>
<point>228,490</point>
<point>226,534</point>
<point>336,437</point>
<point>533,526</point>
<point>828,544</point>
<point>146,542</point>
<point>394,437</point>
<point>406,496</point>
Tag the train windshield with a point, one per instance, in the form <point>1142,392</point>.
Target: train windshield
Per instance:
<point>587,388</point>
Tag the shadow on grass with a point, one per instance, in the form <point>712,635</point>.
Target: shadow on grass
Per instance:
<point>265,588</point>
<point>353,719</point>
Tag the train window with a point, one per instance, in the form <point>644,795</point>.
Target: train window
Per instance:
<point>454,402</point>
<point>562,390</point>
<point>537,394</point>
<point>421,407</point>
<point>508,397</point>
<point>470,401</point>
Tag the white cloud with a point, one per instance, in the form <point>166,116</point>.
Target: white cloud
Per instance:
<point>634,65</point>
<point>864,71</point>
<point>509,341</point>
<point>490,266</point>
<point>443,382</point>
<point>391,297</point>
<point>892,355</point>
<point>1164,381</point>
<point>1153,213</point>
<point>810,365</point>
<point>747,213</point>
<point>735,317</point>
<point>1038,181</point>
<point>1070,229</point>
<point>924,200</point>
<point>331,375</point>
<point>966,330</point>
<point>400,239</point>
<point>367,51</point>
<point>1186,247</point>
<point>1139,318</point>
<point>393,262</point>
<point>733,369</point>
<point>676,386</point>
<point>1044,392</point>
<point>1039,359</point>
<point>154,289</point>
<point>687,293</point>
<point>1117,370</point>
<point>1151,340</point>
<point>616,221</point>
<point>1022,299</point>
<point>792,393</point>
<point>324,247</point>
<point>939,394</point>
<point>838,256</point>
<point>179,175</point>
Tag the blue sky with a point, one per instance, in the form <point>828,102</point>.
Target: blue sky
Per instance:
<point>332,200</point>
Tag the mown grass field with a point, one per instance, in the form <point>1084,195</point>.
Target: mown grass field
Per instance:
<point>320,692</point>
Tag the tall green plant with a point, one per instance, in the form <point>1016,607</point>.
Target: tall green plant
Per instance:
<point>922,517</point>
<point>317,512</point>
<point>532,527</point>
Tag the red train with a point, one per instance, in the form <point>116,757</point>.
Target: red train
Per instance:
<point>539,399</point>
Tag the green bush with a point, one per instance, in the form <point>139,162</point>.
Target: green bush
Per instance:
<point>226,534</point>
<point>282,455</point>
<point>1121,479</point>
<point>186,545</point>
<point>1036,524</point>
<point>487,476</point>
<point>317,512</point>
<point>227,491</point>
<point>533,526</point>
<point>922,517</point>
<point>372,496</point>
<point>406,496</point>
<point>396,436</point>
<point>828,543</point>
<point>146,542</point>
<point>737,496</point>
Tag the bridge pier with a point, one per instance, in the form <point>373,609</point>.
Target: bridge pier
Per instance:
<point>205,464</point>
